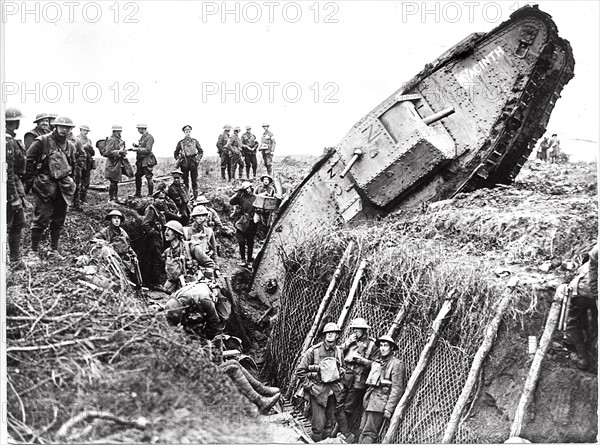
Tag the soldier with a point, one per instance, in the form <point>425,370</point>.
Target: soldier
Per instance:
<point>266,187</point>
<point>194,307</point>
<point>212,220</point>
<point>384,393</point>
<point>359,352</point>
<point>41,127</point>
<point>118,239</point>
<point>15,192</point>
<point>178,192</point>
<point>49,172</point>
<point>543,149</point>
<point>267,147</point>
<point>51,118</point>
<point>144,160</point>
<point>235,153</point>
<point>80,160</point>
<point>116,164</point>
<point>249,146</point>
<point>553,148</point>
<point>89,164</point>
<point>184,260</point>
<point>154,220</point>
<point>263,216</point>
<point>244,224</point>
<point>582,328</point>
<point>320,371</point>
<point>188,154</point>
<point>204,235</point>
<point>223,152</point>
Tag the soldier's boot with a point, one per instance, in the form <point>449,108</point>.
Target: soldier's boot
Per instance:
<point>54,238</point>
<point>264,404</point>
<point>76,198</point>
<point>138,187</point>
<point>150,186</point>
<point>223,173</point>
<point>242,254</point>
<point>259,387</point>
<point>111,191</point>
<point>581,357</point>
<point>14,244</point>
<point>83,195</point>
<point>195,193</point>
<point>269,170</point>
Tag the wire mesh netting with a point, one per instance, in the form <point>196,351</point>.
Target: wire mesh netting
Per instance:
<point>399,276</point>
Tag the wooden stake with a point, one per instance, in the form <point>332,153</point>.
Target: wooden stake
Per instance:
<point>534,371</point>
<point>420,369</point>
<point>480,356</point>
<point>352,293</point>
<point>399,319</point>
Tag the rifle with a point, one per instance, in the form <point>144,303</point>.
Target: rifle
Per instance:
<point>137,272</point>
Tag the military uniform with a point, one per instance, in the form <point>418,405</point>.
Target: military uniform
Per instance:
<point>15,194</point>
<point>144,162</point>
<point>184,261</point>
<point>235,153</point>
<point>224,154</point>
<point>249,146</point>
<point>267,147</point>
<point>200,313</point>
<point>245,227</point>
<point>324,397</point>
<point>205,237</point>
<point>89,165</point>
<point>188,154</point>
<point>32,135</point>
<point>381,398</point>
<point>118,239</point>
<point>153,223</point>
<point>80,161</point>
<point>50,167</point>
<point>116,165</point>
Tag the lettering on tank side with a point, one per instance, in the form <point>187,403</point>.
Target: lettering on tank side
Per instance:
<point>467,77</point>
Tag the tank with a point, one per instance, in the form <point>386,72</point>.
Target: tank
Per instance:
<point>468,120</point>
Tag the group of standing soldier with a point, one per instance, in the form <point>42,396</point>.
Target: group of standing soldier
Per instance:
<point>237,151</point>
<point>342,381</point>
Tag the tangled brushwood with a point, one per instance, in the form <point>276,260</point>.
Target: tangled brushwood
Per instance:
<point>75,352</point>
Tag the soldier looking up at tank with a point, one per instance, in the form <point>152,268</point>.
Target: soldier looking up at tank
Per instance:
<point>245,227</point>
<point>15,192</point>
<point>359,353</point>
<point>179,194</point>
<point>116,163</point>
<point>185,262</point>
<point>118,239</point>
<point>249,145</point>
<point>203,235</point>
<point>223,152</point>
<point>89,164</point>
<point>321,374</point>
<point>49,173</point>
<point>42,127</point>
<point>267,147</point>
<point>235,153</point>
<point>144,160</point>
<point>384,392</point>
<point>188,154</point>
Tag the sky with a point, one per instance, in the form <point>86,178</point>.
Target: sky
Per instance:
<point>310,69</point>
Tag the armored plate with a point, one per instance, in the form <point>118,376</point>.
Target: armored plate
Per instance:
<point>469,120</point>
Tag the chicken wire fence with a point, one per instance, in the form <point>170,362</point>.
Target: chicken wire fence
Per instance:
<point>430,409</point>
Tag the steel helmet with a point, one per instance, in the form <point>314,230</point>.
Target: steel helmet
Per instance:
<point>248,127</point>
<point>237,129</point>
<point>115,213</point>
<point>199,210</point>
<point>266,124</point>
<point>12,114</point>
<point>388,339</point>
<point>227,127</point>
<point>158,191</point>
<point>84,127</point>
<point>63,121</point>
<point>201,199</point>
<point>267,176</point>
<point>174,311</point>
<point>52,116</point>
<point>331,327</point>
<point>41,116</point>
<point>359,323</point>
<point>245,185</point>
<point>117,127</point>
<point>177,173</point>
<point>175,226</point>
<point>141,126</point>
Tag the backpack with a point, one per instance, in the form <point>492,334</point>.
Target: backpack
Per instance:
<point>329,367</point>
<point>58,164</point>
<point>101,146</point>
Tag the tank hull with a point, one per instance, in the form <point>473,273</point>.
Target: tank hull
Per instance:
<point>469,120</point>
